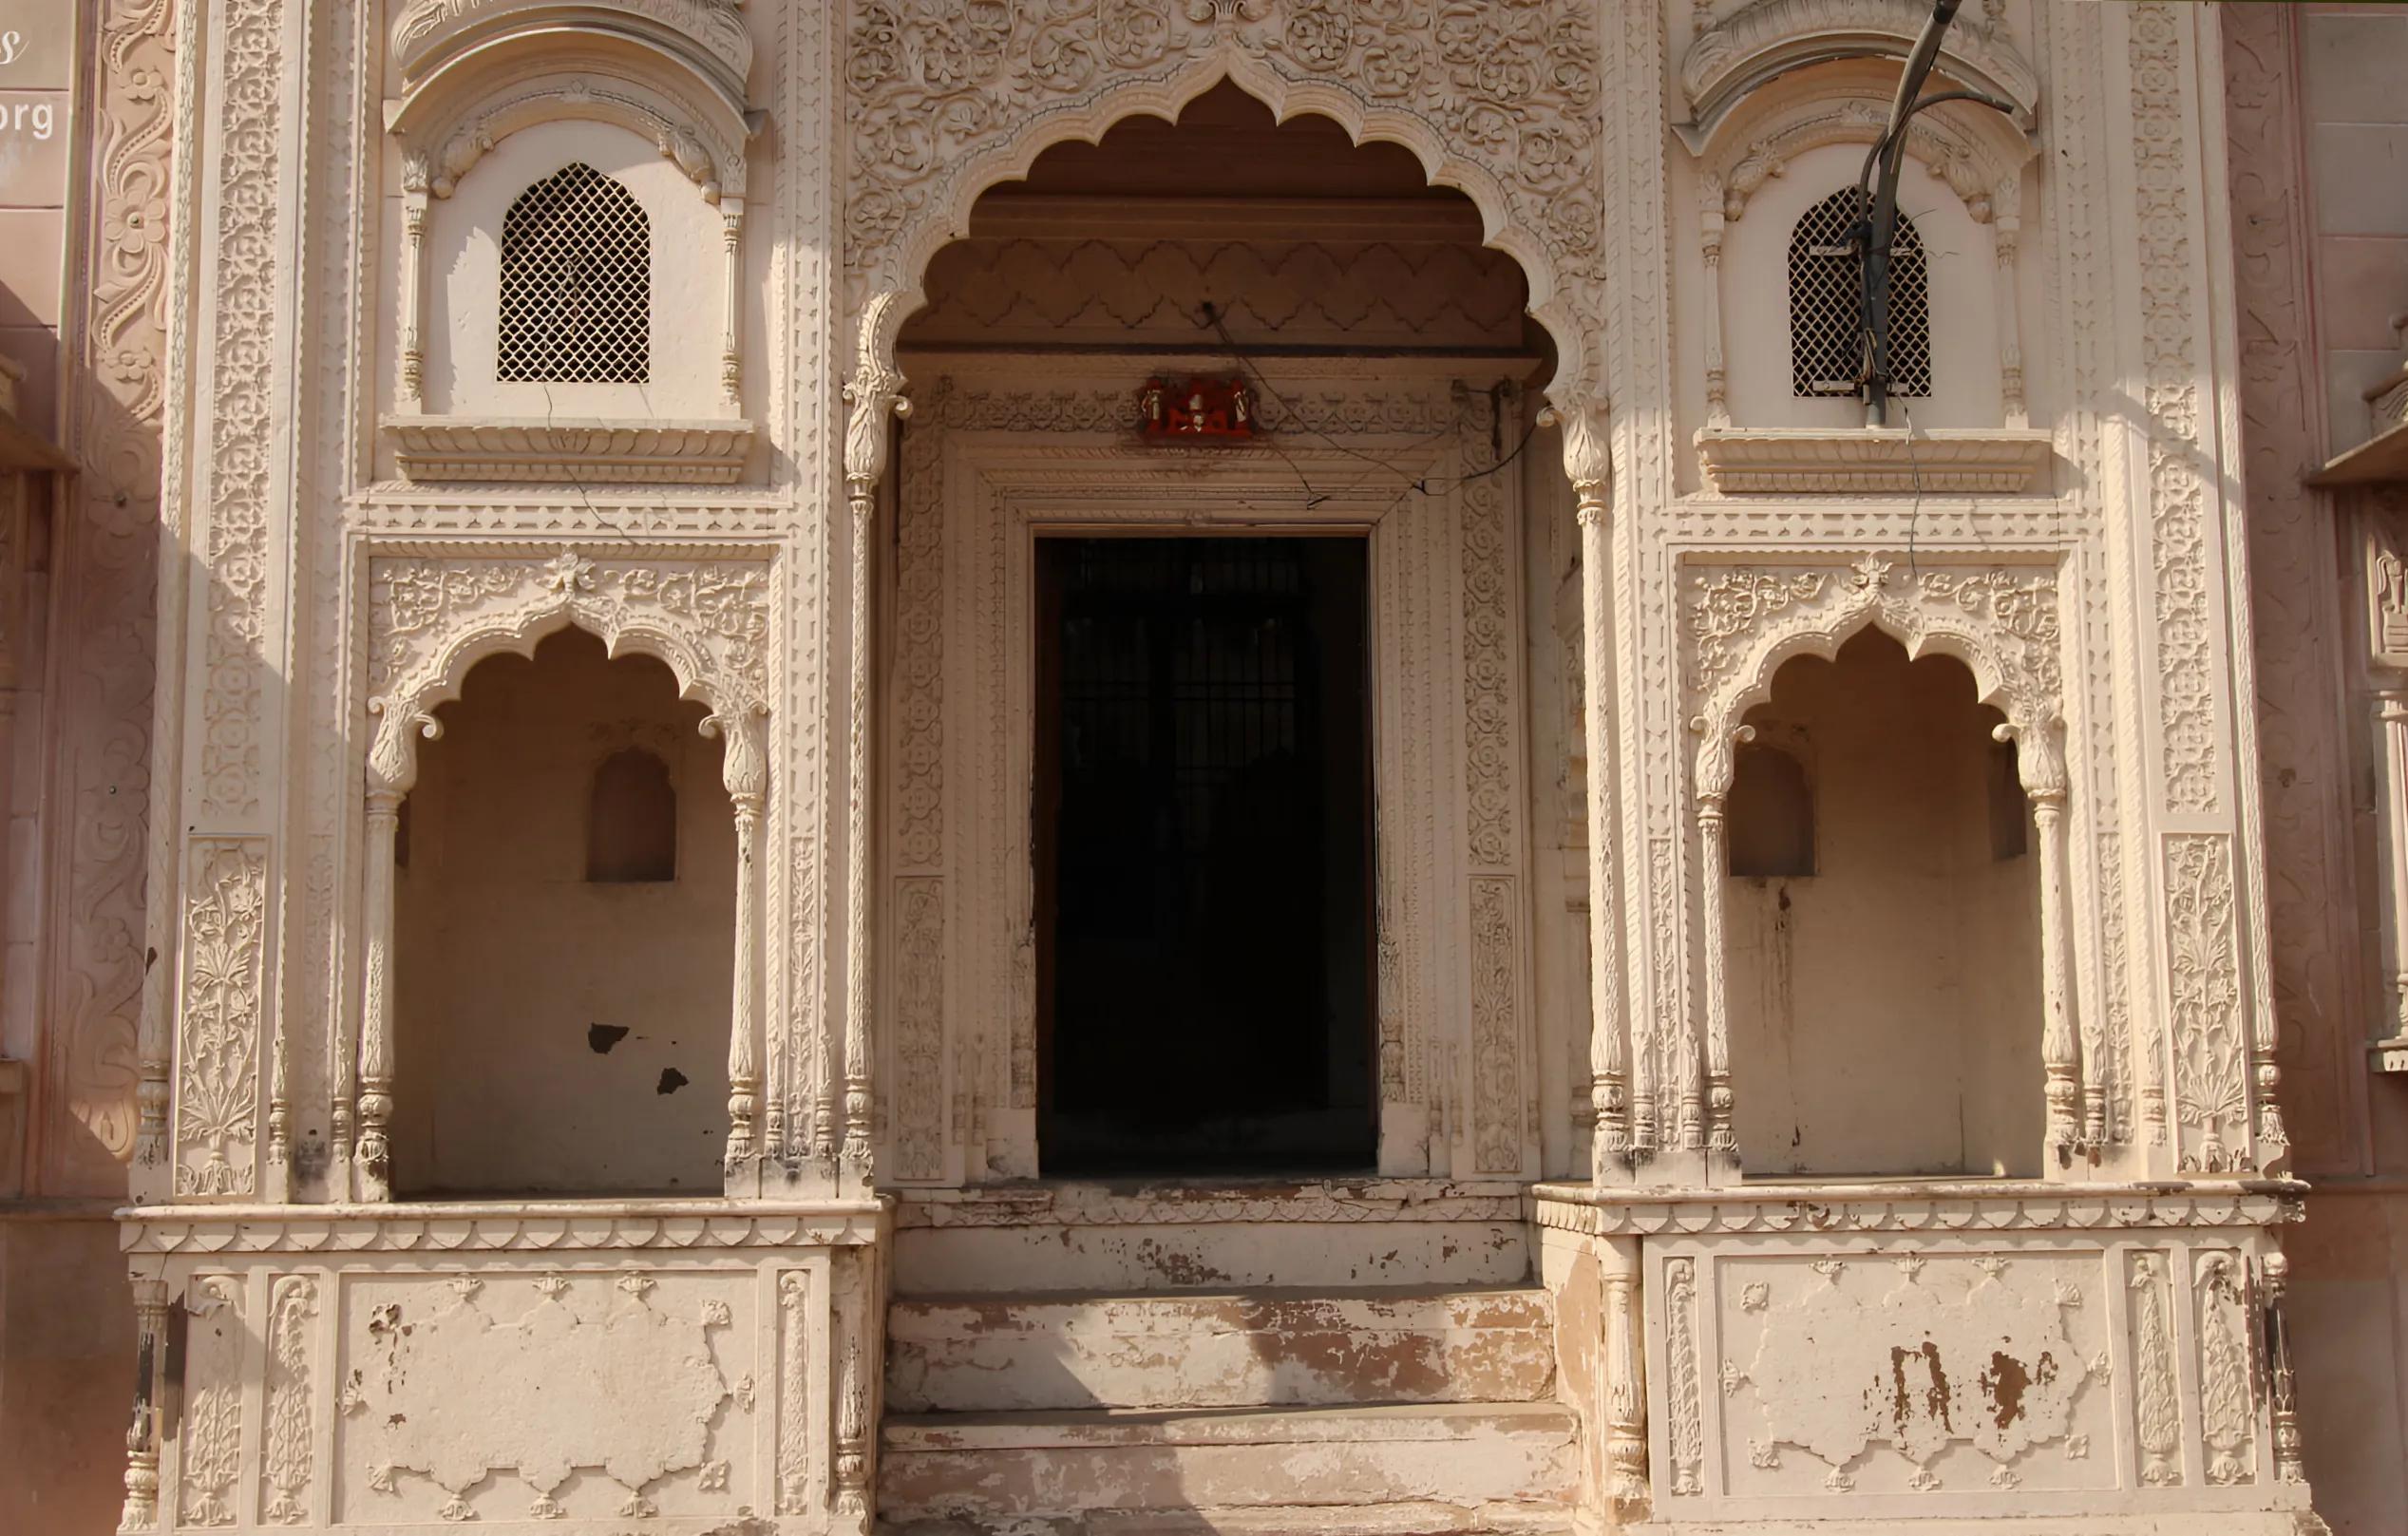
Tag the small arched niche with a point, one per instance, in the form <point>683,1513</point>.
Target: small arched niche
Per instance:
<point>1885,1005</point>
<point>556,1032</point>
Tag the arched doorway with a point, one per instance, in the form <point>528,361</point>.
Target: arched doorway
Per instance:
<point>1253,878</point>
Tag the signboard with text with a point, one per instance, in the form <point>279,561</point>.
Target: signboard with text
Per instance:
<point>37,71</point>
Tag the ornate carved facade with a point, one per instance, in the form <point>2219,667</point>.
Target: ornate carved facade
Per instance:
<point>1808,939</point>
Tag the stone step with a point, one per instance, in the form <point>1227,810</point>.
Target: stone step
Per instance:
<point>1219,1350</point>
<point>1401,1469</point>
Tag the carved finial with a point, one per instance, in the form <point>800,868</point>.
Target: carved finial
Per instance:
<point>875,388</point>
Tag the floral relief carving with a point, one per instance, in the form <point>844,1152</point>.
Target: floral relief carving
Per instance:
<point>2226,1409</point>
<point>429,619</point>
<point>1495,1026</point>
<point>1743,621</point>
<point>212,1439</point>
<point>218,1034</point>
<point>2203,964</point>
<point>287,1460</point>
<point>1488,657</point>
<point>1684,1389</point>
<point>234,533</point>
<point>948,100</point>
<point>2156,1394</point>
<point>794,1391</point>
<point>106,602</point>
<point>918,1092</point>
<point>2183,562</point>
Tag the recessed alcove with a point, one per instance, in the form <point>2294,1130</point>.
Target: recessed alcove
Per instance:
<point>561,935</point>
<point>1885,991</point>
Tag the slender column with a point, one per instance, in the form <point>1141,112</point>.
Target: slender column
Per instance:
<point>1588,463</point>
<point>2391,819</point>
<point>413,351</point>
<point>1625,1376</point>
<point>141,1433</point>
<point>1710,218</point>
<point>2044,782</point>
<point>731,245</point>
<point>745,772</point>
<point>2006,224</point>
<point>850,1318</point>
<point>874,391</point>
<point>374,1160</point>
<point>2282,1382</point>
<point>1713,862</point>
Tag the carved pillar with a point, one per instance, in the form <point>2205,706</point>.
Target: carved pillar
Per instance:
<point>852,1317</point>
<point>731,301</point>
<point>874,391</point>
<point>141,1434</point>
<point>745,772</point>
<point>1712,863</point>
<point>2391,820</point>
<point>375,1153</point>
<point>2282,1382</point>
<point>2006,224</point>
<point>414,287</point>
<point>1588,463</point>
<point>1710,219</point>
<point>1625,1379</point>
<point>2043,772</point>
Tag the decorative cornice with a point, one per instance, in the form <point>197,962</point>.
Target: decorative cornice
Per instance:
<point>454,450</point>
<point>518,1226</point>
<point>1891,462</point>
<point>1939,1208</point>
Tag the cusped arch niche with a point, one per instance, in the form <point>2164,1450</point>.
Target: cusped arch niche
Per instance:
<point>668,75</point>
<point>1741,623</point>
<point>1501,102</point>
<point>430,619</point>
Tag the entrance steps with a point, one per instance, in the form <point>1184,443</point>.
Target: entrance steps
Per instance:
<point>1378,1412</point>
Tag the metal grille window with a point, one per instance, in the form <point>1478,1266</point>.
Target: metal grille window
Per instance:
<point>576,283</point>
<point>1827,304</point>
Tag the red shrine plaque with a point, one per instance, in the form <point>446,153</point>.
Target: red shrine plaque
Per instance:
<point>1200,408</point>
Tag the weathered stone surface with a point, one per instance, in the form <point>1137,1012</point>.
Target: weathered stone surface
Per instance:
<point>1010,1466</point>
<point>980,1354</point>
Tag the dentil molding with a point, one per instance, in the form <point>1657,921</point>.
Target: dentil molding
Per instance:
<point>583,450</point>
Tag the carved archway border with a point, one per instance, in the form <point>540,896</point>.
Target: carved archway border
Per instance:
<point>706,619</point>
<point>1760,42</point>
<point>1744,623</point>
<point>445,133</point>
<point>922,155</point>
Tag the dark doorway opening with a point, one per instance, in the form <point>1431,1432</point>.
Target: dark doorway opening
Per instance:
<point>1204,856</point>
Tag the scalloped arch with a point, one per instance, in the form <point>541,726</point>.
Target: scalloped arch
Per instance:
<point>2033,709</point>
<point>407,713</point>
<point>1566,302</point>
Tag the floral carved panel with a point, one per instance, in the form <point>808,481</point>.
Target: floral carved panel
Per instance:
<point>1741,622</point>
<point>430,619</point>
<point>219,1024</point>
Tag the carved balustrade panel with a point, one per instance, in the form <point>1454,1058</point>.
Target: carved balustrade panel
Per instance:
<point>349,1371</point>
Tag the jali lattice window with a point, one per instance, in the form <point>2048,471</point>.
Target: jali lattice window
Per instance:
<point>576,283</point>
<point>1827,304</point>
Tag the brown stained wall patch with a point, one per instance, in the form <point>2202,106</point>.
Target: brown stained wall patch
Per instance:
<point>1935,1387</point>
<point>2004,1383</point>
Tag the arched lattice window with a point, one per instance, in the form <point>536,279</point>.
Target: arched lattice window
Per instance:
<point>1827,304</point>
<point>576,283</point>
